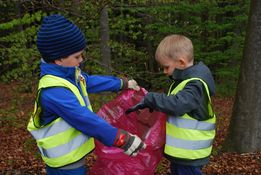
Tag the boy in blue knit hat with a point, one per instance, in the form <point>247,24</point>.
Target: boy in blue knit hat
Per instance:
<point>63,123</point>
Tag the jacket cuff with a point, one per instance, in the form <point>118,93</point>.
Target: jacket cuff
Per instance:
<point>124,83</point>
<point>121,138</point>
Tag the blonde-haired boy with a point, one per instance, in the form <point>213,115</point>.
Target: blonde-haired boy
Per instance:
<point>190,126</point>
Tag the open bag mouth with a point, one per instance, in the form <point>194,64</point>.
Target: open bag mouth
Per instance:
<point>149,126</point>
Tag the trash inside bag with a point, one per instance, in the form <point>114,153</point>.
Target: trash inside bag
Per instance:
<point>150,127</point>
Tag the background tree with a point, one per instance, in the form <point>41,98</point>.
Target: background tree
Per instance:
<point>134,29</point>
<point>105,37</point>
<point>244,135</point>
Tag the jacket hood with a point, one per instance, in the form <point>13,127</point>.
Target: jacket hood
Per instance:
<point>199,70</point>
<point>68,73</point>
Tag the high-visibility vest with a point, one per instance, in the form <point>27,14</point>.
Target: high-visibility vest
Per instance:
<point>59,143</point>
<point>186,137</point>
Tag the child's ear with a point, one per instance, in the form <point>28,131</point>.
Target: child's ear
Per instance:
<point>182,63</point>
<point>58,62</point>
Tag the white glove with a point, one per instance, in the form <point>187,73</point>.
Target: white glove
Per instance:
<point>131,144</point>
<point>134,146</point>
<point>132,84</point>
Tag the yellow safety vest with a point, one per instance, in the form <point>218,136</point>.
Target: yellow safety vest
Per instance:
<point>59,143</point>
<point>186,137</point>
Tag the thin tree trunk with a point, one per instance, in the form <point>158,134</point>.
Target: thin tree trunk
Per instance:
<point>152,65</point>
<point>105,37</point>
<point>18,12</point>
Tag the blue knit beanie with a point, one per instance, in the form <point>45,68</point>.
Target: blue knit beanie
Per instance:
<point>59,38</point>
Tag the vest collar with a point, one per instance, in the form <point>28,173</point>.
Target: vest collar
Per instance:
<point>199,70</point>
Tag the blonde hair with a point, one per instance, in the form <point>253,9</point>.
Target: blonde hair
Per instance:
<point>175,46</point>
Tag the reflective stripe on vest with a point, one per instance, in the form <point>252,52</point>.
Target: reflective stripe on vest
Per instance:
<point>59,143</point>
<point>186,137</point>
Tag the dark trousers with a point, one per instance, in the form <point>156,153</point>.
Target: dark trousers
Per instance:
<point>178,169</point>
<point>55,171</point>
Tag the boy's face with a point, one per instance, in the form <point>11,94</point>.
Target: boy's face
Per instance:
<point>71,61</point>
<point>168,65</point>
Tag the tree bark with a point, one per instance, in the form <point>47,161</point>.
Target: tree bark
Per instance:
<point>152,64</point>
<point>105,37</point>
<point>18,12</point>
<point>245,126</point>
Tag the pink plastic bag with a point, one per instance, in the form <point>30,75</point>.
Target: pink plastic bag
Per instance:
<point>149,126</point>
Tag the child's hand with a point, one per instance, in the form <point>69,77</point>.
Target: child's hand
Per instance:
<point>137,107</point>
<point>131,144</point>
<point>132,84</point>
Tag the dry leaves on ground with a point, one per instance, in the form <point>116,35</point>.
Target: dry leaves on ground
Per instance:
<point>19,155</point>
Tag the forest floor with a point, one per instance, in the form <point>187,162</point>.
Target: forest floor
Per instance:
<point>19,156</point>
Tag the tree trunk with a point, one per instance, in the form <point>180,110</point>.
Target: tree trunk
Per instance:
<point>152,64</point>
<point>18,12</point>
<point>105,37</point>
<point>245,127</point>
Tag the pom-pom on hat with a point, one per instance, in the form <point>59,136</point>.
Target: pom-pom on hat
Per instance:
<point>59,38</point>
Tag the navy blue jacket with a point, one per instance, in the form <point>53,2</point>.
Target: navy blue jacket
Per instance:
<point>192,99</point>
<point>60,101</point>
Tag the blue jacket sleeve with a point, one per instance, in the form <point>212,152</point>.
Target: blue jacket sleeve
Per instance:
<point>98,83</point>
<point>62,102</point>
